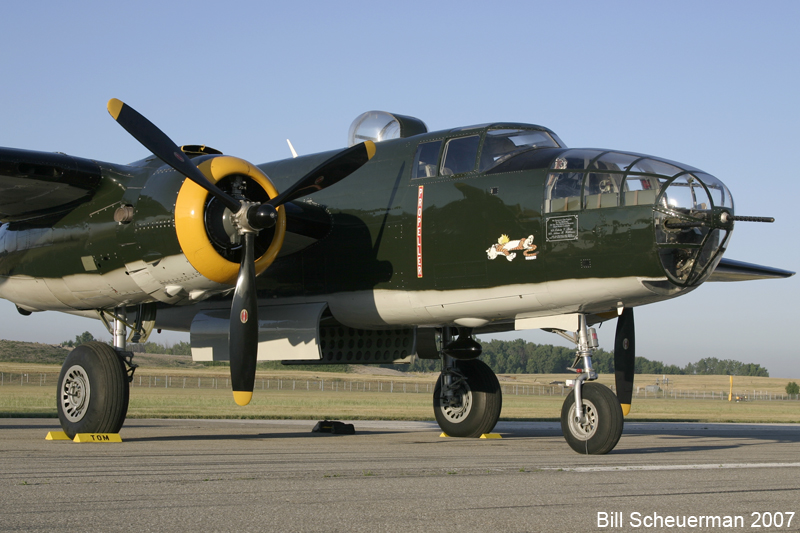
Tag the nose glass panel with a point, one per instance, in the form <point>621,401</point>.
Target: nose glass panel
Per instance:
<point>720,195</point>
<point>689,244</point>
<point>687,196</point>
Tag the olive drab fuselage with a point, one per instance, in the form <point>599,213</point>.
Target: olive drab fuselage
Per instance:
<point>404,240</point>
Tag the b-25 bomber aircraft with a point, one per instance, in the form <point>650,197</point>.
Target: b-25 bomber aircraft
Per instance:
<point>408,243</point>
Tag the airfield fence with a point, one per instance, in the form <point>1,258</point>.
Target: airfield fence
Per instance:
<point>48,379</point>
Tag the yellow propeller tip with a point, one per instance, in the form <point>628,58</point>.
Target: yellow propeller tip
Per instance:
<point>242,397</point>
<point>370,146</point>
<point>114,107</point>
<point>626,408</point>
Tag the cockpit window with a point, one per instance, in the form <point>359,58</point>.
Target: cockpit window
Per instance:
<point>502,145</point>
<point>460,155</point>
<point>426,159</point>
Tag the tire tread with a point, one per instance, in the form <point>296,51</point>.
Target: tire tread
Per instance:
<point>487,398</point>
<point>110,392</point>
<point>611,420</point>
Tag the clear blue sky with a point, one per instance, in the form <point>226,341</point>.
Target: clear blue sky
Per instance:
<point>711,84</point>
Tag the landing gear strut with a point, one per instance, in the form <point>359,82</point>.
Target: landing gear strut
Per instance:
<point>467,399</point>
<point>591,417</point>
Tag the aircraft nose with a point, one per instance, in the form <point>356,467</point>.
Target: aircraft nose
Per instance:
<point>692,210</point>
<point>693,221</point>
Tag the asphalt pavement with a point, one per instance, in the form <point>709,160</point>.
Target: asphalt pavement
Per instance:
<point>264,475</point>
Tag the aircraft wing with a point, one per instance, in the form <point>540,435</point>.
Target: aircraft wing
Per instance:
<point>730,270</point>
<point>34,184</point>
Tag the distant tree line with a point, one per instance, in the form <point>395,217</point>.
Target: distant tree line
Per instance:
<point>521,357</point>
<point>517,357</point>
<point>180,348</point>
<point>79,339</point>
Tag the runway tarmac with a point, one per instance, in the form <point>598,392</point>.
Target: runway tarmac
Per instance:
<point>267,475</point>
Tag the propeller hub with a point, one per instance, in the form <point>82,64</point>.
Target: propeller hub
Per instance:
<point>253,217</point>
<point>262,216</point>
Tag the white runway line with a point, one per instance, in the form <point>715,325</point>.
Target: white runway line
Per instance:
<point>716,466</point>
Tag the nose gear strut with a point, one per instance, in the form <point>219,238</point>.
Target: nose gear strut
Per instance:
<point>591,418</point>
<point>586,339</point>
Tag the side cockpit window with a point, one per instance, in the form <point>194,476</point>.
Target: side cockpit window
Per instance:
<point>426,160</point>
<point>460,155</point>
<point>502,145</point>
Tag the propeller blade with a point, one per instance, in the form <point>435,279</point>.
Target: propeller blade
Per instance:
<point>328,173</point>
<point>164,148</point>
<point>243,329</point>
<point>624,358</point>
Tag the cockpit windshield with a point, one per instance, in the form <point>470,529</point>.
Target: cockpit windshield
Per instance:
<point>501,145</point>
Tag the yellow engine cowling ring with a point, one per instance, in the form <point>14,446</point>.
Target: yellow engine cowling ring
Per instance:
<point>190,223</point>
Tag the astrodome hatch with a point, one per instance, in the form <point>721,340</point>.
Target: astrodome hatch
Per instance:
<point>377,126</point>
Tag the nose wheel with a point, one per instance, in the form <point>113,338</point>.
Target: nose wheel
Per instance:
<point>600,427</point>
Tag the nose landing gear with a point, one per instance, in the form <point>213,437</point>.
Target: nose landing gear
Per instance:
<point>600,427</point>
<point>591,417</point>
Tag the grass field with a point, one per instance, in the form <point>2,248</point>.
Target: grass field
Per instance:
<point>29,390</point>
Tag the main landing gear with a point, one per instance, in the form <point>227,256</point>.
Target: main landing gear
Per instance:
<point>93,387</point>
<point>467,399</point>
<point>92,390</point>
<point>591,417</point>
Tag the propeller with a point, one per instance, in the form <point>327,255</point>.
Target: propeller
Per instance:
<point>624,358</point>
<point>249,218</point>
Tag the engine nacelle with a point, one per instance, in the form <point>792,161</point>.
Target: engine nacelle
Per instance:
<point>203,225</point>
<point>156,236</point>
<point>207,242</point>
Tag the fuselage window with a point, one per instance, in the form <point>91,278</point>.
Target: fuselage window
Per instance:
<point>563,192</point>
<point>641,190</point>
<point>601,190</point>
<point>426,160</point>
<point>460,155</point>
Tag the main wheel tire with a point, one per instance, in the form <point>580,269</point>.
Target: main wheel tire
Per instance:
<point>93,390</point>
<point>604,420</point>
<point>480,405</point>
